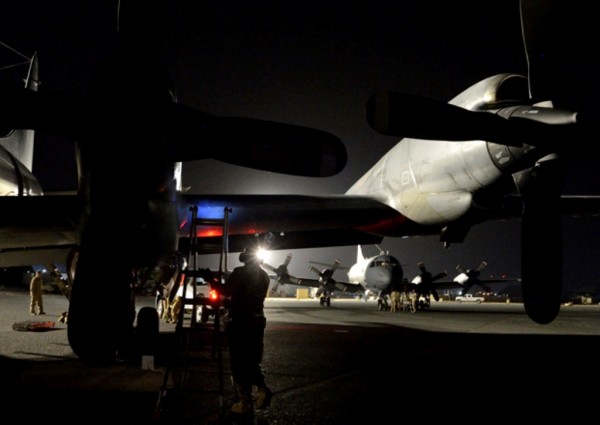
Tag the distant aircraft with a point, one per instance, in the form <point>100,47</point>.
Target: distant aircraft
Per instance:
<point>428,285</point>
<point>367,275</point>
<point>495,151</point>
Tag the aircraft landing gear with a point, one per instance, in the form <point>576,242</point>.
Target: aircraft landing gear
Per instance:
<point>424,302</point>
<point>382,304</point>
<point>325,300</point>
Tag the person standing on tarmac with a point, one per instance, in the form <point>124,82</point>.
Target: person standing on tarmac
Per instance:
<point>35,292</point>
<point>395,293</point>
<point>246,289</point>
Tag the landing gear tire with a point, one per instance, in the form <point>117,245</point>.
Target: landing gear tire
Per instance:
<point>146,331</point>
<point>204,315</point>
<point>325,301</point>
<point>100,326</point>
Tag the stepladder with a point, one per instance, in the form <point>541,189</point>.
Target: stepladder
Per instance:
<point>196,379</point>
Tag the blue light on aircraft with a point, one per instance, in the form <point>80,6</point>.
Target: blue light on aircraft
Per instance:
<point>210,211</point>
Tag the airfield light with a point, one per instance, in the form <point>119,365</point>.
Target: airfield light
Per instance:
<point>263,255</point>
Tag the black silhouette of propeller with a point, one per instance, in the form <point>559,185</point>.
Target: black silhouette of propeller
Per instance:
<point>282,275</point>
<point>517,122</point>
<point>470,277</point>
<point>328,283</point>
<point>424,281</point>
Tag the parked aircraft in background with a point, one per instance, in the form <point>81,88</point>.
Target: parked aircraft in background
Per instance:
<point>368,275</point>
<point>494,152</point>
<point>427,285</point>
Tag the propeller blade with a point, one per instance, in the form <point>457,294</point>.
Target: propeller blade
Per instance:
<point>482,266</point>
<point>275,286</point>
<point>314,270</point>
<point>335,266</point>
<point>541,238</point>
<point>259,144</point>
<point>281,273</point>
<point>269,267</point>
<point>405,115</point>
<point>466,287</point>
<point>516,125</point>
<point>439,276</point>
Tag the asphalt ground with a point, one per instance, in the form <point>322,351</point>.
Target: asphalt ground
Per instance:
<point>346,364</point>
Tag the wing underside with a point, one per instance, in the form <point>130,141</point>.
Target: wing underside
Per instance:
<point>280,221</point>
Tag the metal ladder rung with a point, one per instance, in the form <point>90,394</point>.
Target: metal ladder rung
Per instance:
<point>190,339</point>
<point>209,221</point>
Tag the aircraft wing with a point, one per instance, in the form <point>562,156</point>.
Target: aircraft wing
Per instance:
<point>51,222</point>
<point>349,287</point>
<point>38,229</point>
<point>339,286</point>
<point>289,221</point>
<point>302,221</point>
<point>33,223</point>
<point>453,284</point>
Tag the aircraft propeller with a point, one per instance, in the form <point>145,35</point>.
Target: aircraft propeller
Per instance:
<point>469,277</point>
<point>424,281</point>
<point>325,276</point>
<point>521,123</point>
<point>282,275</point>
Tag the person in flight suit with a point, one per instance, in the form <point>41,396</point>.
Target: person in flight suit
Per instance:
<point>246,289</point>
<point>35,292</point>
<point>395,293</point>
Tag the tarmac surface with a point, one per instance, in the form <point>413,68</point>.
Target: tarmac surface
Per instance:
<point>345,364</point>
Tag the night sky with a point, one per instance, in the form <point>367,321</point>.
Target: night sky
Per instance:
<point>313,64</point>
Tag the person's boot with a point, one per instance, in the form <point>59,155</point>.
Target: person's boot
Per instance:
<point>243,400</point>
<point>263,397</point>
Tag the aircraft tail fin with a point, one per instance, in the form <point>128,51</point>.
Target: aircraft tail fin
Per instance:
<point>359,254</point>
<point>19,142</point>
